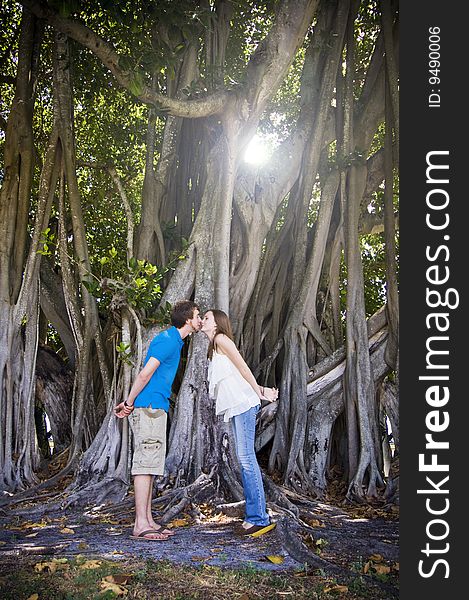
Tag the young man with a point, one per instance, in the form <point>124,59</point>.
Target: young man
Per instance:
<point>147,407</point>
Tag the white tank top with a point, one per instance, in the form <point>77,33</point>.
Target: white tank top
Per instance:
<point>232,392</point>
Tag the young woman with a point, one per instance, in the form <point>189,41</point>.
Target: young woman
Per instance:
<point>238,398</point>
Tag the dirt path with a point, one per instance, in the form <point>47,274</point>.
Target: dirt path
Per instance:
<point>337,539</point>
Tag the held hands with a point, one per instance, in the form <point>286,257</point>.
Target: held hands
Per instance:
<point>270,394</point>
<point>123,410</point>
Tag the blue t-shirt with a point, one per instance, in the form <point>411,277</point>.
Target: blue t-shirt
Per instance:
<point>165,347</point>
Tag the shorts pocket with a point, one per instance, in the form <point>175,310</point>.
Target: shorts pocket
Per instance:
<point>151,453</point>
<point>134,418</point>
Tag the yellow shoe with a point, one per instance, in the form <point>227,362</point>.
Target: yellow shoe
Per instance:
<point>258,530</point>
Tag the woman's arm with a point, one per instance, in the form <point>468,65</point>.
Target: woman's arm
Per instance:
<point>228,347</point>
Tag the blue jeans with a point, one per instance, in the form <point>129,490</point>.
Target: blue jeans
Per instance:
<point>244,429</point>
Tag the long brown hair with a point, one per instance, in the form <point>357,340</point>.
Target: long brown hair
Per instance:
<point>223,324</point>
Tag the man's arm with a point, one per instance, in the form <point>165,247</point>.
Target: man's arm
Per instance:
<point>123,409</point>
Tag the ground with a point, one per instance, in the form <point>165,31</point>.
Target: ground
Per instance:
<point>52,553</point>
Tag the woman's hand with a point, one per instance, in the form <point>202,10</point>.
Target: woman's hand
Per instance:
<point>270,394</point>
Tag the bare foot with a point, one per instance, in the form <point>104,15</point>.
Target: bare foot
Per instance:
<point>150,535</point>
<point>165,531</point>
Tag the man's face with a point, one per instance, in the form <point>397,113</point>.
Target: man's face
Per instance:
<point>196,321</point>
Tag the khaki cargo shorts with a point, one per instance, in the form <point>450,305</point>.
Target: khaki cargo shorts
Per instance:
<point>148,427</point>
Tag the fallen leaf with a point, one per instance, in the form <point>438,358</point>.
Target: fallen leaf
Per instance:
<point>90,564</point>
<point>366,567</point>
<point>197,558</point>
<point>216,549</point>
<point>118,579</point>
<point>33,597</point>
<point>114,587</point>
<point>109,521</point>
<point>376,558</point>
<point>321,542</point>
<point>114,531</point>
<point>341,589</point>
<point>31,535</point>
<point>66,530</point>
<point>2,543</point>
<point>316,523</point>
<point>308,539</point>
<point>277,560</point>
<point>382,569</point>
<point>396,566</point>
<point>34,525</point>
<point>218,517</point>
<point>117,552</point>
<point>83,546</point>
<point>51,565</point>
<point>178,523</point>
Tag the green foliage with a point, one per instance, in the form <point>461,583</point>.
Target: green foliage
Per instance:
<point>249,25</point>
<point>137,283</point>
<point>162,314</point>
<point>82,578</point>
<point>47,240</point>
<point>65,8</point>
<point>124,353</point>
<point>367,28</point>
<point>374,273</point>
<point>283,111</point>
<point>53,341</point>
<point>337,160</point>
<point>111,125</point>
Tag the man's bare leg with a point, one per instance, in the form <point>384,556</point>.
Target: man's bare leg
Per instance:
<point>156,526</point>
<point>143,492</point>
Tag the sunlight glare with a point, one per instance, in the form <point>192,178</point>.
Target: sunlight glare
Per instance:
<point>257,151</point>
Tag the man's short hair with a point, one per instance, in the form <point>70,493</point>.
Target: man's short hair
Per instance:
<point>182,311</point>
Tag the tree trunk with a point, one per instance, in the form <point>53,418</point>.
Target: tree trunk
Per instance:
<point>54,383</point>
<point>265,246</point>
<point>19,281</point>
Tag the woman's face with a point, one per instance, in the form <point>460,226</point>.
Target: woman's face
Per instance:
<point>208,324</point>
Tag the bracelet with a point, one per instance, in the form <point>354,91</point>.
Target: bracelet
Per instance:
<point>128,405</point>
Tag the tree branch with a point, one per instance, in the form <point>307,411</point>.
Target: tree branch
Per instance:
<point>125,77</point>
<point>273,56</point>
<point>127,208</point>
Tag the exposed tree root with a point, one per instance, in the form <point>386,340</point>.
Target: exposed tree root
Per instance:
<point>291,541</point>
<point>34,490</point>
<point>175,508</point>
<point>289,535</point>
<point>107,490</point>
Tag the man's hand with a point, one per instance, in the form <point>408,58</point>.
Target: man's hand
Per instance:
<point>123,410</point>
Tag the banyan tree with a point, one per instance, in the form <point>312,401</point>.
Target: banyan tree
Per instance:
<point>125,187</point>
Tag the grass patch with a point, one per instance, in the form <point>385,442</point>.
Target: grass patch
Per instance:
<point>93,578</point>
